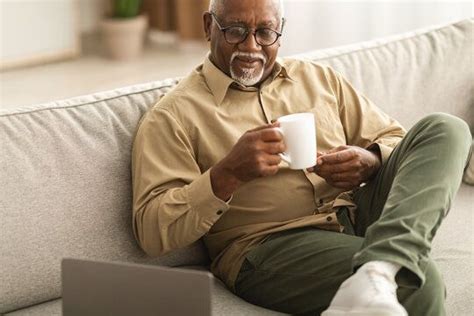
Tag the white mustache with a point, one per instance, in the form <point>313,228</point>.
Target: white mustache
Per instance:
<point>248,55</point>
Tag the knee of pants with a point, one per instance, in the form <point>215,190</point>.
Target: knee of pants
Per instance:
<point>452,126</point>
<point>429,298</point>
<point>449,131</point>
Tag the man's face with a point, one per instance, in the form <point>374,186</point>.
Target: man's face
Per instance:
<point>248,62</point>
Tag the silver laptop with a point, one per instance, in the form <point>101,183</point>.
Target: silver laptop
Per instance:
<point>106,288</point>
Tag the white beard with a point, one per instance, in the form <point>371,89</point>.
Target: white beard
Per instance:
<point>249,76</point>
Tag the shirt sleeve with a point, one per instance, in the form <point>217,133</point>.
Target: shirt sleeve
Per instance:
<point>366,125</point>
<point>173,201</point>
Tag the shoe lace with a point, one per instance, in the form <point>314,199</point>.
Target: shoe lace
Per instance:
<point>381,283</point>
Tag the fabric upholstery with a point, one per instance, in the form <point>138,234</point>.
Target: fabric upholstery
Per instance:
<point>413,74</point>
<point>410,75</point>
<point>452,251</point>
<point>223,303</point>
<point>65,166</point>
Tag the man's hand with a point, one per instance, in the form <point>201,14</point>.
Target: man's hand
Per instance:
<point>254,155</point>
<point>346,167</point>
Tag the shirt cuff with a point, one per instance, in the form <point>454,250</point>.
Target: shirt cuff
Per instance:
<point>203,200</point>
<point>385,151</point>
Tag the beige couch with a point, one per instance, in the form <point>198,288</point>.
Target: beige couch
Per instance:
<point>65,170</point>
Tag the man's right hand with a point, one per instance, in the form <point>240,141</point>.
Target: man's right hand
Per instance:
<point>254,155</point>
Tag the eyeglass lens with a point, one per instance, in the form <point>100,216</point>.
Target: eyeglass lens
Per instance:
<point>238,34</point>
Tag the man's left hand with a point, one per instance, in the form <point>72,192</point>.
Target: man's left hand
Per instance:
<point>346,167</point>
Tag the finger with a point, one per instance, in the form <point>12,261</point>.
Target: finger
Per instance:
<point>270,135</point>
<point>274,147</point>
<point>348,166</point>
<point>349,176</point>
<point>338,148</point>
<point>273,160</point>
<point>313,168</point>
<point>337,157</point>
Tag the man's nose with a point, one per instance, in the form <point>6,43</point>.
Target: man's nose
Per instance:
<point>250,44</point>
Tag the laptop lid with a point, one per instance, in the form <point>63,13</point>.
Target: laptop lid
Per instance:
<point>108,288</point>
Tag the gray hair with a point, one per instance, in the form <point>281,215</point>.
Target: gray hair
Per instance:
<point>216,7</point>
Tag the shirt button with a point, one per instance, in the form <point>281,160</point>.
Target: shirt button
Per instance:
<point>329,218</point>
<point>219,212</point>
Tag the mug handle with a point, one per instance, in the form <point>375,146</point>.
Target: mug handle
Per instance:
<point>284,156</point>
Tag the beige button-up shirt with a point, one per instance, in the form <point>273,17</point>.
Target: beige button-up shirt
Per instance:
<point>196,124</point>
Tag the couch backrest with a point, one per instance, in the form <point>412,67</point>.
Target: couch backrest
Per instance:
<point>65,166</point>
<point>65,190</point>
<point>413,74</point>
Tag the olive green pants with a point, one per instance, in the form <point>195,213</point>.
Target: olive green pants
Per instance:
<point>298,271</point>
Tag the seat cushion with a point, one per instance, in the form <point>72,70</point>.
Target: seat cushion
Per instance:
<point>454,254</point>
<point>51,308</point>
<point>452,251</point>
<point>223,303</point>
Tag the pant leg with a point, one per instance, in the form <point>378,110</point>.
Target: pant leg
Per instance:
<point>297,271</point>
<point>400,211</point>
<point>425,300</point>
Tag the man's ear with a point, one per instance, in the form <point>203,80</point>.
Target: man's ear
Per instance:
<point>207,23</point>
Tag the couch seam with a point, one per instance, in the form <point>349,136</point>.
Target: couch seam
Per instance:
<point>32,305</point>
<point>86,103</point>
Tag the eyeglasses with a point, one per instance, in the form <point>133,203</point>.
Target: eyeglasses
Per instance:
<point>235,34</point>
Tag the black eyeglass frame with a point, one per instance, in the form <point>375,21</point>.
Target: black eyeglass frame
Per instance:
<point>247,31</point>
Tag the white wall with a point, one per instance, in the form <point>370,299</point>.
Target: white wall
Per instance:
<point>313,24</point>
<point>31,31</point>
<point>320,24</point>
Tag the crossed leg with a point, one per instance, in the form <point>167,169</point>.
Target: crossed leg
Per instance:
<point>299,271</point>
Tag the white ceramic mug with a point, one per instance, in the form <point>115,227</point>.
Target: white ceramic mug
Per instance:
<point>299,135</point>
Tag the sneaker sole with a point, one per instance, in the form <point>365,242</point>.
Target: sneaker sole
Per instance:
<point>360,312</point>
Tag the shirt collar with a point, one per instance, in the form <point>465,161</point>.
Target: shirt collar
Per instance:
<point>218,82</point>
<point>280,70</point>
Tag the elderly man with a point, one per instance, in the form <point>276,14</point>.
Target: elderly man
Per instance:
<point>350,236</point>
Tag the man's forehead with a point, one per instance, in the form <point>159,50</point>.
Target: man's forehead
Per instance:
<point>250,15</point>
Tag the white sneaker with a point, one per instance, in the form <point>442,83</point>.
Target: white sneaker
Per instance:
<point>369,292</point>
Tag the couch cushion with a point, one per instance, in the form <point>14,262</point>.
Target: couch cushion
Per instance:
<point>223,303</point>
<point>51,308</point>
<point>66,190</point>
<point>413,74</point>
<point>453,252</point>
